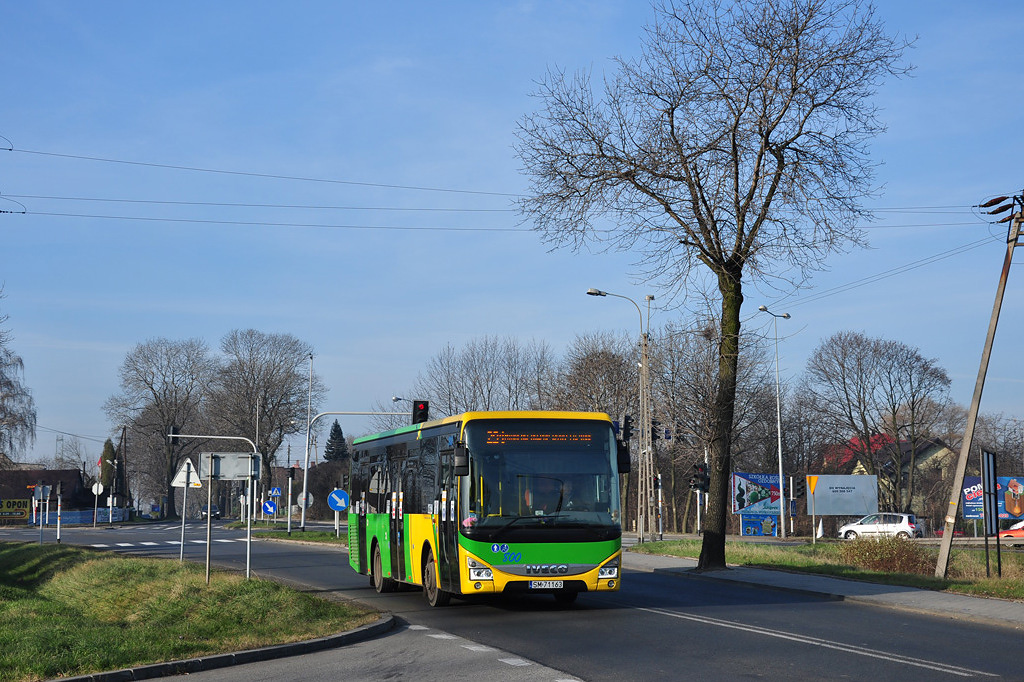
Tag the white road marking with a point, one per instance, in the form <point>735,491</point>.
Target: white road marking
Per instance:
<point>827,644</point>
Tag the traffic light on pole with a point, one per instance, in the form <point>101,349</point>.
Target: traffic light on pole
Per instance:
<point>655,429</point>
<point>700,480</point>
<point>420,411</point>
<point>626,432</point>
<point>800,487</point>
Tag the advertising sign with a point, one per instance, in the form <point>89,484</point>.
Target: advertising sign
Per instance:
<point>1009,497</point>
<point>842,495</point>
<point>759,524</point>
<point>755,494</point>
<point>14,510</point>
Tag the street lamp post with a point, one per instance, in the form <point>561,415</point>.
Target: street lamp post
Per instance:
<point>305,466</point>
<point>778,420</point>
<point>645,481</point>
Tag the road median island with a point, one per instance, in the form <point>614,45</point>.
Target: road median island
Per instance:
<point>70,611</point>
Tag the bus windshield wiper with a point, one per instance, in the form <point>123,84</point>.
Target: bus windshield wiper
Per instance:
<point>516,519</point>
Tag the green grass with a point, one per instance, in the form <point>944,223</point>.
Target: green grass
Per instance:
<point>322,536</point>
<point>279,531</point>
<point>71,611</point>
<point>874,561</point>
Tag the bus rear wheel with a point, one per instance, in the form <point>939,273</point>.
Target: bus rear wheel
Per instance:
<point>380,583</point>
<point>434,594</point>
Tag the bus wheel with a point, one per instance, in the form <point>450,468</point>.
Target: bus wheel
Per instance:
<point>434,594</point>
<point>566,598</point>
<point>380,583</point>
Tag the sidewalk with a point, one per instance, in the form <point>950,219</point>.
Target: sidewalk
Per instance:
<point>986,610</point>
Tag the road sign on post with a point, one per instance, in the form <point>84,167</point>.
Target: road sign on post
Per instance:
<point>187,475</point>
<point>229,466</point>
<point>270,507</point>
<point>305,500</point>
<point>338,500</point>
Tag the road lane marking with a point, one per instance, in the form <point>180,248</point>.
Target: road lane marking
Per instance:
<point>825,643</point>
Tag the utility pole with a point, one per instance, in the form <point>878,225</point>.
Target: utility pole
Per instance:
<point>1016,218</point>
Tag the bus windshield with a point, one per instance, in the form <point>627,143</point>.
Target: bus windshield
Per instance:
<point>529,473</point>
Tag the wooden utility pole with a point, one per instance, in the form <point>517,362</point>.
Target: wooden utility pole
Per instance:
<point>1016,218</point>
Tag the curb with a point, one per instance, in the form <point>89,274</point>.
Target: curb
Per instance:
<point>213,662</point>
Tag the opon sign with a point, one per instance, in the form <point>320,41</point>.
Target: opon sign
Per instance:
<point>14,509</point>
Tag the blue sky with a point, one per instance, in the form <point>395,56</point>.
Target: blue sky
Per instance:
<point>377,96</point>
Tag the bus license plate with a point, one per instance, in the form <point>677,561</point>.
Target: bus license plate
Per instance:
<point>546,584</point>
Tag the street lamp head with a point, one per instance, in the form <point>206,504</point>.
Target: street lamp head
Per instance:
<point>763,308</point>
<point>595,292</point>
<point>395,398</point>
<point>785,316</point>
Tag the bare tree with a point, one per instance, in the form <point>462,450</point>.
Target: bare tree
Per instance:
<point>488,373</point>
<point>262,390</point>
<point>164,384</point>
<point>599,374</point>
<point>914,392</point>
<point>877,393</point>
<point>17,408</point>
<point>736,143</point>
<point>684,372</point>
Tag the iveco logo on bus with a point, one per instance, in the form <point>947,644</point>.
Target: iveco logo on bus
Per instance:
<point>544,569</point>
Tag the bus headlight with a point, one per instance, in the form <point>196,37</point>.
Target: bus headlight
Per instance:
<point>477,571</point>
<point>609,570</point>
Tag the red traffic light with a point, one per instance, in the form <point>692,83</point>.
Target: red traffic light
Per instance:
<point>420,411</point>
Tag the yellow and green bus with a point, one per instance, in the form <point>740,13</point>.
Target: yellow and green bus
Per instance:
<point>490,503</point>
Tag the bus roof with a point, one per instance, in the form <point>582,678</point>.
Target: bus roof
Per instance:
<point>470,416</point>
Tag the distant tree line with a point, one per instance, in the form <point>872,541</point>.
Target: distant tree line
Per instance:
<point>855,393</point>
<point>258,387</point>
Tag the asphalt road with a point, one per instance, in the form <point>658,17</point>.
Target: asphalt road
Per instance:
<point>658,627</point>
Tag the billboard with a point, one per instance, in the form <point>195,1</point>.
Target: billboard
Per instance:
<point>755,494</point>
<point>842,495</point>
<point>1009,497</point>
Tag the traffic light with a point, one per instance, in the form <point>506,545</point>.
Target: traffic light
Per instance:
<point>800,486</point>
<point>700,480</point>
<point>172,436</point>
<point>655,429</point>
<point>626,432</point>
<point>420,411</point>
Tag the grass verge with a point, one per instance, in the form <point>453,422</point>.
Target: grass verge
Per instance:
<point>71,611</point>
<point>860,560</point>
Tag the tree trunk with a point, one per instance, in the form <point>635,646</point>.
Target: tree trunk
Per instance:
<point>712,551</point>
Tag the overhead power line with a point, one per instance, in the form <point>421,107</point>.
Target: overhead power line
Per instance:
<point>256,223</point>
<point>842,288</point>
<point>271,176</point>
<point>165,202</point>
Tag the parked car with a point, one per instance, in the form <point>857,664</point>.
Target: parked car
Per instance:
<point>882,525</point>
<point>214,512</point>
<point>1014,531</point>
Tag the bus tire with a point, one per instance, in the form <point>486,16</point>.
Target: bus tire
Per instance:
<point>380,583</point>
<point>435,595</point>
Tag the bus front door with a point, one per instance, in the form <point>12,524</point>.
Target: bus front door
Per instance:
<point>448,529</point>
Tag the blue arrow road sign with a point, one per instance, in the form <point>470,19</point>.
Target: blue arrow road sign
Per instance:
<point>275,492</point>
<point>338,500</point>
<point>270,507</point>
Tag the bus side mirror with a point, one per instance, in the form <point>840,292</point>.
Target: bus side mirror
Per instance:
<point>461,460</point>
<point>622,450</point>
